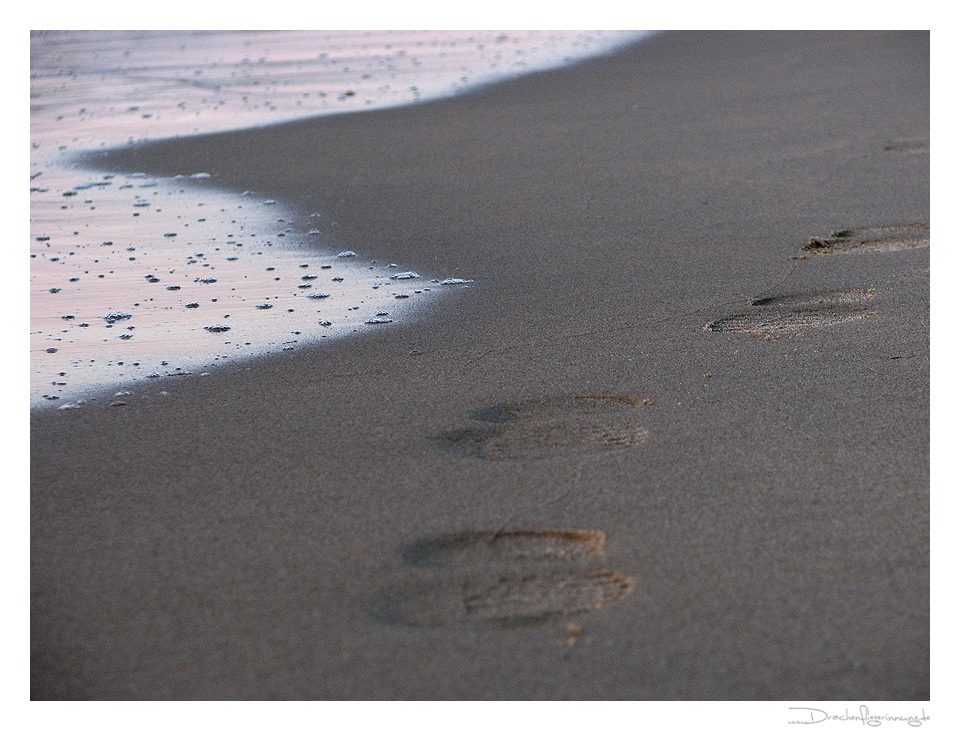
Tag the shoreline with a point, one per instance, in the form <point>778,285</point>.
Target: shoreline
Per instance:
<point>768,505</point>
<point>75,213</point>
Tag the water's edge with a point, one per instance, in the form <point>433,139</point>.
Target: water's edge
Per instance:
<point>259,285</point>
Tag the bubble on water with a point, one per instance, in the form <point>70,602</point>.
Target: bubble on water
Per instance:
<point>218,328</point>
<point>116,316</point>
<point>453,280</point>
<point>378,320</point>
<point>405,275</point>
<point>317,295</point>
<point>346,254</point>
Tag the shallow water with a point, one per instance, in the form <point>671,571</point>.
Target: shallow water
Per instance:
<point>206,276</point>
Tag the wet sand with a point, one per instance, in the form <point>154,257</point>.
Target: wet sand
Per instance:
<point>657,451</point>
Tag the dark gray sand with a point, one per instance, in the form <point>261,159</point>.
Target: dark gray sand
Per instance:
<point>657,451</point>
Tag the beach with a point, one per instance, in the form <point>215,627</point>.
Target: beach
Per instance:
<point>659,446</point>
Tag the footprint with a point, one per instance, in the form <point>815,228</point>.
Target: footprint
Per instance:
<point>489,547</point>
<point>792,312</point>
<point>540,596</point>
<point>877,239</point>
<point>507,598</point>
<point>810,299</point>
<point>504,576</point>
<point>548,428</point>
<point>777,322</point>
<point>909,147</point>
<point>542,441</point>
<point>518,576</point>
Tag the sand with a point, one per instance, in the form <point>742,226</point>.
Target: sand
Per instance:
<point>657,451</point>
